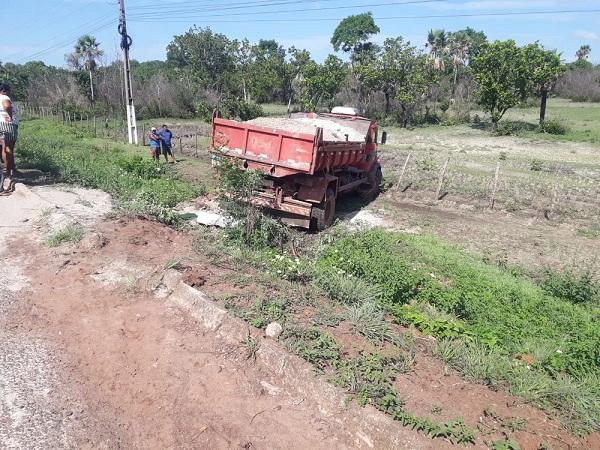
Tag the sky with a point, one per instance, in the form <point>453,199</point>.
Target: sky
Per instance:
<point>46,30</point>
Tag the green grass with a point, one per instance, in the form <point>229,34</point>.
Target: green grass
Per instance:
<point>68,234</point>
<point>72,156</point>
<point>493,303</point>
<point>486,318</point>
<point>581,119</point>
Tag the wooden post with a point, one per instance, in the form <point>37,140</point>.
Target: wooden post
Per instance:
<point>196,136</point>
<point>554,198</point>
<point>180,146</point>
<point>95,128</point>
<point>441,179</point>
<point>495,186</point>
<point>404,169</point>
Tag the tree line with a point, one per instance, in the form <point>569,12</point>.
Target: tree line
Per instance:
<point>395,81</point>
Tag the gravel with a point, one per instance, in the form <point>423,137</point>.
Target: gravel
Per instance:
<point>332,131</point>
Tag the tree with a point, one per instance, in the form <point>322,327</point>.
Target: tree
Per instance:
<point>476,40</point>
<point>353,33</point>
<point>208,58</point>
<point>437,42</point>
<point>459,51</point>
<point>545,67</point>
<point>322,82</point>
<point>583,52</point>
<point>400,72</point>
<point>502,73</point>
<point>268,71</point>
<point>85,55</point>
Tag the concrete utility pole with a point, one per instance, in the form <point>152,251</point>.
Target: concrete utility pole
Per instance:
<point>125,44</point>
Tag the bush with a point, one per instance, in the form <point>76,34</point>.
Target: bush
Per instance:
<point>513,128</point>
<point>579,289</point>
<point>536,165</point>
<point>554,127</point>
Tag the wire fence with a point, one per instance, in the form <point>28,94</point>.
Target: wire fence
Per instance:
<point>557,188</point>
<point>187,142</point>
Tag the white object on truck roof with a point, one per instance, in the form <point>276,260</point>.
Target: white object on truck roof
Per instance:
<point>344,110</point>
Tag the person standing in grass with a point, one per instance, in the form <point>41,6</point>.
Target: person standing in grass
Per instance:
<point>9,126</point>
<point>166,136</point>
<point>154,140</point>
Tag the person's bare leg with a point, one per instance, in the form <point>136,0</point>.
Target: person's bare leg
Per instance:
<point>9,153</point>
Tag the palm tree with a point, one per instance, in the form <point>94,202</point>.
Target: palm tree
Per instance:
<point>459,50</point>
<point>85,55</point>
<point>583,52</point>
<point>437,42</point>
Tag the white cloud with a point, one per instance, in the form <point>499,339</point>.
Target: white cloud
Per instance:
<point>586,35</point>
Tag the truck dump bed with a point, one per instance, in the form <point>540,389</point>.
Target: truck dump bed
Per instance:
<point>304,143</point>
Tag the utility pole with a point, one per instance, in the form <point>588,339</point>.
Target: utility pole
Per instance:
<point>125,44</point>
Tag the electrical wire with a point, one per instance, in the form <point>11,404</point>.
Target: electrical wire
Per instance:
<point>187,12</point>
<point>429,16</point>
<point>67,42</point>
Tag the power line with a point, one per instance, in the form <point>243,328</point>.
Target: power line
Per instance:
<point>210,6</point>
<point>186,12</point>
<point>71,40</point>
<point>429,16</point>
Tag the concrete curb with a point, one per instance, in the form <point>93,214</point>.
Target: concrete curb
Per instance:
<point>376,430</point>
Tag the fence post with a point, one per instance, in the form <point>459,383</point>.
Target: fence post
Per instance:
<point>180,146</point>
<point>495,186</point>
<point>441,179</point>
<point>196,136</point>
<point>554,198</point>
<point>404,169</point>
<point>95,128</point>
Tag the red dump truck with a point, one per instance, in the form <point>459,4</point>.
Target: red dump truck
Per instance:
<point>308,161</point>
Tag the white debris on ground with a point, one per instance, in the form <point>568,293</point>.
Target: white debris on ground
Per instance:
<point>332,131</point>
<point>211,219</point>
<point>366,219</point>
<point>207,213</point>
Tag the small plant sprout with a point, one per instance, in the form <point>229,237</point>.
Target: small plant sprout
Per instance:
<point>175,264</point>
<point>68,234</point>
<point>251,345</point>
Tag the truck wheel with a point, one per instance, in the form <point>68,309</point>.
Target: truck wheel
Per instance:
<point>372,189</point>
<point>323,214</point>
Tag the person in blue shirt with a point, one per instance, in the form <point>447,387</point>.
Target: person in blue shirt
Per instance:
<point>154,140</point>
<point>165,138</point>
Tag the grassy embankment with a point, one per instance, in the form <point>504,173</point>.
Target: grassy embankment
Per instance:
<point>493,326</point>
<point>73,155</point>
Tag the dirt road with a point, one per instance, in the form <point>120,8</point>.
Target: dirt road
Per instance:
<point>93,355</point>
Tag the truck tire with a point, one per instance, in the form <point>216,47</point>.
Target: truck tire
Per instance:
<point>372,188</point>
<point>324,213</point>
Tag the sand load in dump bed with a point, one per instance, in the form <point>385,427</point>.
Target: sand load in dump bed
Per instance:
<point>334,128</point>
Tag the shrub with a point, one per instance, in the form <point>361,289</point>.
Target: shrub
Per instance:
<point>514,128</point>
<point>554,127</point>
<point>579,289</point>
<point>536,165</point>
